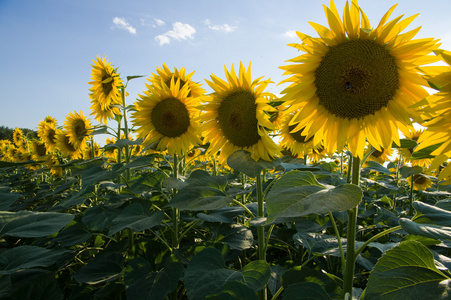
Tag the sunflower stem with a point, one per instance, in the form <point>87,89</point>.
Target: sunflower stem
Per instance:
<point>411,196</point>
<point>352,225</point>
<point>175,211</point>
<point>261,229</point>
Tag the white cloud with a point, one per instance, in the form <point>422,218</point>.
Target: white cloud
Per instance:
<point>290,34</point>
<point>179,31</point>
<point>223,27</point>
<point>122,24</point>
<point>159,22</point>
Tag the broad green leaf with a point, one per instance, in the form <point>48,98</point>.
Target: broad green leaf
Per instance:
<point>140,162</point>
<point>27,224</point>
<point>407,272</point>
<point>287,167</point>
<point>222,215</point>
<point>305,274</point>
<point>298,194</point>
<point>405,143</point>
<point>427,230</point>
<point>7,197</point>
<point>431,214</point>
<point>235,235</point>
<point>233,290</point>
<point>409,171</point>
<point>141,284</point>
<point>200,198</point>
<point>206,274</point>
<point>26,257</point>
<point>135,217</point>
<point>377,167</point>
<point>148,182</point>
<point>101,268</point>
<point>99,217</point>
<point>34,284</point>
<point>305,290</point>
<point>203,178</point>
<point>79,198</point>
<point>242,161</point>
<point>425,153</point>
<point>72,235</point>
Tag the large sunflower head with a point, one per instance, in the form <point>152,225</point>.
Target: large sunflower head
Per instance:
<point>77,127</point>
<point>420,182</point>
<point>48,136</point>
<point>164,117</point>
<point>236,116</point>
<point>38,149</point>
<point>65,146</point>
<point>105,84</point>
<point>297,144</point>
<point>355,83</point>
<point>165,76</point>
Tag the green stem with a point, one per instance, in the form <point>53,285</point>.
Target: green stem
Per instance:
<point>340,245</point>
<point>261,230</point>
<point>126,133</point>
<point>375,237</point>
<point>244,207</point>
<point>277,294</point>
<point>352,225</point>
<point>175,211</point>
<point>119,152</point>
<point>411,196</point>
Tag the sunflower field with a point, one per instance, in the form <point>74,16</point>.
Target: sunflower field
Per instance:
<point>339,188</point>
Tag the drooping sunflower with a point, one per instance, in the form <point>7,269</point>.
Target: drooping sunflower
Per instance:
<point>65,146</point>
<point>354,83</point>
<point>439,126</point>
<point>236,116</point>
<point>49,120</point>
<point>105,90</point>
<point>38,149</point>
<point>77,127</point>
<point>165,116</point>
<point>165,76</point>
<point>294,142</point>
<point>420,182</point>
<point>48,136</point>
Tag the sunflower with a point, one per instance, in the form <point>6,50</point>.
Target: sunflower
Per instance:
<point>65,146</point>
<point>236,116</point>
<point>38,149</point>
<point>105,90</point>
<point>294,142</point>
<point>49,120</point>
<point>164,117</point>
<point>408,152</point>
<point>439,127</point>
<point>420,182</point>
<point>165,76</point>
<point>355,83</point>
<point>18,137</point>
<point>381,156</point>
<point>77,127</point>
<point>87,152</point>
<point>48,136</point>
<point>52,162</point>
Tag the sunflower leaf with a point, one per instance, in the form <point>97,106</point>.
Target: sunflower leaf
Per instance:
<point>298,194</point>
<point>242,161</point>
<point>407,272</point>
<point>134,77</point>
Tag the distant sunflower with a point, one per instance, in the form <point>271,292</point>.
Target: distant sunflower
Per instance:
<point>355,83</point>
<point>49,120</point>
<point>38,149</point>
<point>65,146</point>
<point>439,127</point>
<point>420,182</point>
<point>77,127</point>
<point>164,116</point>
<point>408,152</point>
<point>297,144</point>
<point>381,156</point>
<point>48,136</point>
<point>236,116</point>
<point>105,90</point>
<point>165,76</point>
<point>18,137</point>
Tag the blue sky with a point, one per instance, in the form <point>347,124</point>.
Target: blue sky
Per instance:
<point>48,45</point>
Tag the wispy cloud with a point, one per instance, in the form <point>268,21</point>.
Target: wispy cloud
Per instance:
<point>152,22</point>
<point>223,27</point>
<point>122,24</point>
<point>290,34</point>
<point>179,31</point>
<point>159,22</point>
